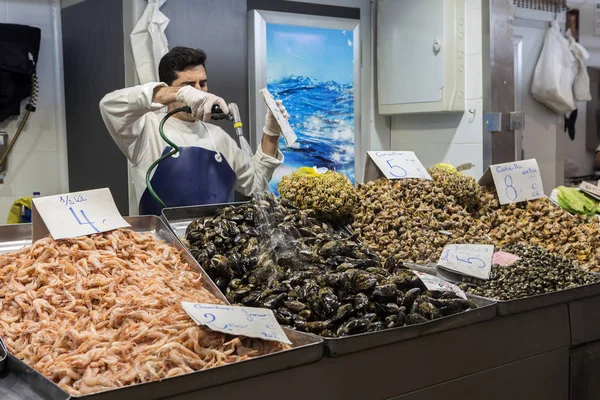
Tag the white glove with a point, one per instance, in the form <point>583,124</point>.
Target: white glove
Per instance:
<point>200,102</point>
<point>272,127</point>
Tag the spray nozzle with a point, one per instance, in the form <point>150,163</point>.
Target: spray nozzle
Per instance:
<point>216,113</point>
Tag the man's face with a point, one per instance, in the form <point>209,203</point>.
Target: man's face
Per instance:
<point>191,76</point>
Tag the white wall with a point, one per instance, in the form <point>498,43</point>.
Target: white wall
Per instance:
<point>575,150</point>
<point>38,162</point>
<point>451,138</point>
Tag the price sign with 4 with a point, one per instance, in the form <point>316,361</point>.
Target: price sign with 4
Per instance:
<point>468,259</point>
<point>244,321</point>
<point>77,214</point>
<point>399,164</point>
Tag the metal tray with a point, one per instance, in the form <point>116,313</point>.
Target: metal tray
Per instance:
<point>3,355</point>
<point>336,347</point>
<point>19,382</point>
<point>14,237</point>
<point>510,307</point>
<point>179,218</point>
<point>306,348</point>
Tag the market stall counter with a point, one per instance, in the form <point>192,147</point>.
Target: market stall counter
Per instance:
<point>17,375</point>
<point>180,218</point>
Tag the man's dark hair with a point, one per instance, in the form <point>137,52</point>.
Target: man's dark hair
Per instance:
<point>178,59</point>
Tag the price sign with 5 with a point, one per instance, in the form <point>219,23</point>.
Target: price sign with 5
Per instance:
<point>468,259</point>
<point>399,164</point>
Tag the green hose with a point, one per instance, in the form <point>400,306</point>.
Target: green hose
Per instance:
<point>163,158</point>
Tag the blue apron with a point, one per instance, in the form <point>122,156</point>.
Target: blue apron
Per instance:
<point>193,178</point>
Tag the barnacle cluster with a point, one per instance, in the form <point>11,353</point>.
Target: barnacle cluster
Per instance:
<point>330,195</point>
<point>536,272</point>
<point>464,189</point>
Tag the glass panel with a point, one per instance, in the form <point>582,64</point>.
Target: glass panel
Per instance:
<point>311,70</point>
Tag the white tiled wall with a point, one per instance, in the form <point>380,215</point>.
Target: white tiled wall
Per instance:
<point>455,139</point>
<point>38,161</point>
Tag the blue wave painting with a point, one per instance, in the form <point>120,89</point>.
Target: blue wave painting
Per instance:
<point>311,71</point>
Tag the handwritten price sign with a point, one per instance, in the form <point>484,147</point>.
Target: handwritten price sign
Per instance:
<point>245,321</point>
<point>592,190</point>
<point>468,259</point>
<point>435,284</point>
<point>399,164</point>
<point>76,214</point>
<point>516,181</point>
<point>289,136</point>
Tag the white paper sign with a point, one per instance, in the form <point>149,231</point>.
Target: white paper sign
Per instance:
<point>590,189</point>
<point>244,321</point>
<point>399,164</point>
<point>468,259</point>
<point>515,181</point>
<point>433,283</point>
<point>76,214</point>
<point>288,133</point>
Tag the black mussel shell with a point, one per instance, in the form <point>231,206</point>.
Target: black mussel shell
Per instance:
<point>353,326</point>
<point>361,300</point>
<point>410,297</point>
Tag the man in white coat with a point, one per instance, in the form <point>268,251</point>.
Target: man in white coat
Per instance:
<point>209,165</point>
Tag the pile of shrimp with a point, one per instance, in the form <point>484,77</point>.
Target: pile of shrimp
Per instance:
<point>102,312</point>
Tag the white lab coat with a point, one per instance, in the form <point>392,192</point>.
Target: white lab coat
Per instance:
<point>131,118</point>
<point>149,42</point>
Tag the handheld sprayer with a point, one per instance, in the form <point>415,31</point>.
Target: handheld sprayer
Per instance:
<point>216,114</point>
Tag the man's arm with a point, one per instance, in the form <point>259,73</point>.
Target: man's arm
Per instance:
<point>165,94</point>
<point>123,111</point>
<point>270,145</point>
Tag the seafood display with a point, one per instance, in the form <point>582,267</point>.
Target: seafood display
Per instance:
<point>413,219</point>
<point>316,279</point>
<point>536,272</point>
<point>331,195</point>
<point>541,222</point>
<point>102,312</point>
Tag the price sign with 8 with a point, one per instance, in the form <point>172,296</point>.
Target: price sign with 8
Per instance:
<point>399,164</point>
<point>517,181</point>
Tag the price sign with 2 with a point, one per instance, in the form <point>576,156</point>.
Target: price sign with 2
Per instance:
<point>399,164</point>
<point>78,214</point>
<point>468,259</point>
<point>244,321</point>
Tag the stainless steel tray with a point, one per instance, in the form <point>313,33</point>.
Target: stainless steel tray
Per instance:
<point>180,217</point>
<point>306,348</point>
<point>509,307</point>
<point>336,347</point>
<point>19,382</point>
<point>3,355</point>
<point>14,237</point>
